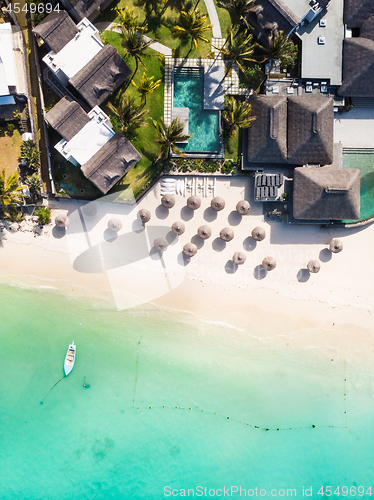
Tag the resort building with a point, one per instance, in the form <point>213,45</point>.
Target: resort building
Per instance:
<point>358,50</point>
<point>79,9</point>
<point>79,60</point>
<point>326,193</point>
<point>88,141</point>
<point>318,30</point>
<point>296,130</point>
<point>8,71</point>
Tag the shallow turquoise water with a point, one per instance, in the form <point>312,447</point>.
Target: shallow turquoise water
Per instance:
<point>96,443</point>
<point>203,124</point>
<point>364,161</point>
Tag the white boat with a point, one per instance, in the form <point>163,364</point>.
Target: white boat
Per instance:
<point>70,358</point>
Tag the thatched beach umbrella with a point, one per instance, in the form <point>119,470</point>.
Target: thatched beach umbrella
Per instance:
<point>193,202</point>
<point>114,224</point>
<point>217,203</point>
<point>336,246</point>
<point>313,266</point>
<point>168,200</point>
<point>239,258</point>
<point>90,209</point>
<point>269,263</point>
<point>258,233</point>
<point>61,221</point>
<point>243,207</point>
<point>204,232</point>
<point>226,234</point>
<point>190,249</point>
<point>144,215</point>
<point>161,244</point>
<point>178,228</point>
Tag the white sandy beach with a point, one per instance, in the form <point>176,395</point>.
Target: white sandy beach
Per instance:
<point>331,311</point>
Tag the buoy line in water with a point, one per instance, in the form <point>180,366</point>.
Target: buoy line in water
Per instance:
<point>234,419</point>
<point>239,421</point>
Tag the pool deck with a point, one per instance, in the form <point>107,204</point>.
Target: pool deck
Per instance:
<point>355,129</point>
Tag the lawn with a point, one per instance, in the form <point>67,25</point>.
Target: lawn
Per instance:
<point>10,150</point>
<point>224,20</point>
<point>160,28</point>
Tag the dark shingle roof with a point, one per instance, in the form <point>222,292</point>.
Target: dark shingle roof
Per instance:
<point>84,8</point>
<point>357,11</point>
<point>111,162</point>
<point>367,28</point>
<point>267,135</point>
<point>101,76</point>
<point>358,68</point>
<point>67,117</point>
<point>310,130</point>
<point>57,29</point>
<point>326,193</point>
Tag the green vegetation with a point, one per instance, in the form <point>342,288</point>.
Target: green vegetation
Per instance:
<point>10,192</point>
<point>10,128</point>
<point>205,166</point>
<point>193,24</point>
<point>238,9</point>
<point>34,184</point>
<point>146,85</point>
<point>237,114</point>
<point>239,49</point>
<point>168,135</point>
<point>30,154</point>
<point>128,116</point>
<point>44,215</point>
<point>279,48</point>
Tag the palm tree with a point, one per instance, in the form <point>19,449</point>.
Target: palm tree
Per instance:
<point>135,46</point>
<point>34,184</point>
<point>10,191</point>
<point>169,135</point>
<point>193,24</point>
<point>128,114</point>
<point>152,5</point>
<point>146,85</point>
<point>128,19</point>
<point>238,9</point>
<point>279,48</point>
<point>30,154</point>
<point>238,49</point>
<point>237,114</point>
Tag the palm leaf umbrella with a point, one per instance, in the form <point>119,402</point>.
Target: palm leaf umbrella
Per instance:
<point>178,228</point>
<point>269,263</point>
<point>161,244</point>
<point>61,221</point>
<point>335,246</point>
<point>114,224</point>
<point>313,266</point>
<point>258,233</point>
<point>204,232</point>
<point>168,200</point>
<point>190,249</point>
<point>193,202</point>
<point>144,215</point>
<point>239,258</point>
<point>217,203</point>
<point>243,207</point>
<point>227,234</point>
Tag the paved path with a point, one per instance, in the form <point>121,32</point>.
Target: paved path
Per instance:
<point>158,47</point>
<point>213,16</point>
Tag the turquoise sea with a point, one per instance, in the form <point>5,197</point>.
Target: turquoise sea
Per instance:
<point>181,428</point>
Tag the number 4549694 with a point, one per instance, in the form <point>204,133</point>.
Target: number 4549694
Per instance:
<point>33,8</point>
<point>345,491</point>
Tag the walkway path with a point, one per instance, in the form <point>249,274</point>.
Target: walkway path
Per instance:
<point>213,16</point>
<point>158,47</point>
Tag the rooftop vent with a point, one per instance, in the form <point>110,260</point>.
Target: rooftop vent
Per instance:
<point>332,190</point>
<point>321,40</point>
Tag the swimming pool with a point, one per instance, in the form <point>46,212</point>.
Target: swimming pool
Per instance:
<point>203,124</point>
<point>363,159</point>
